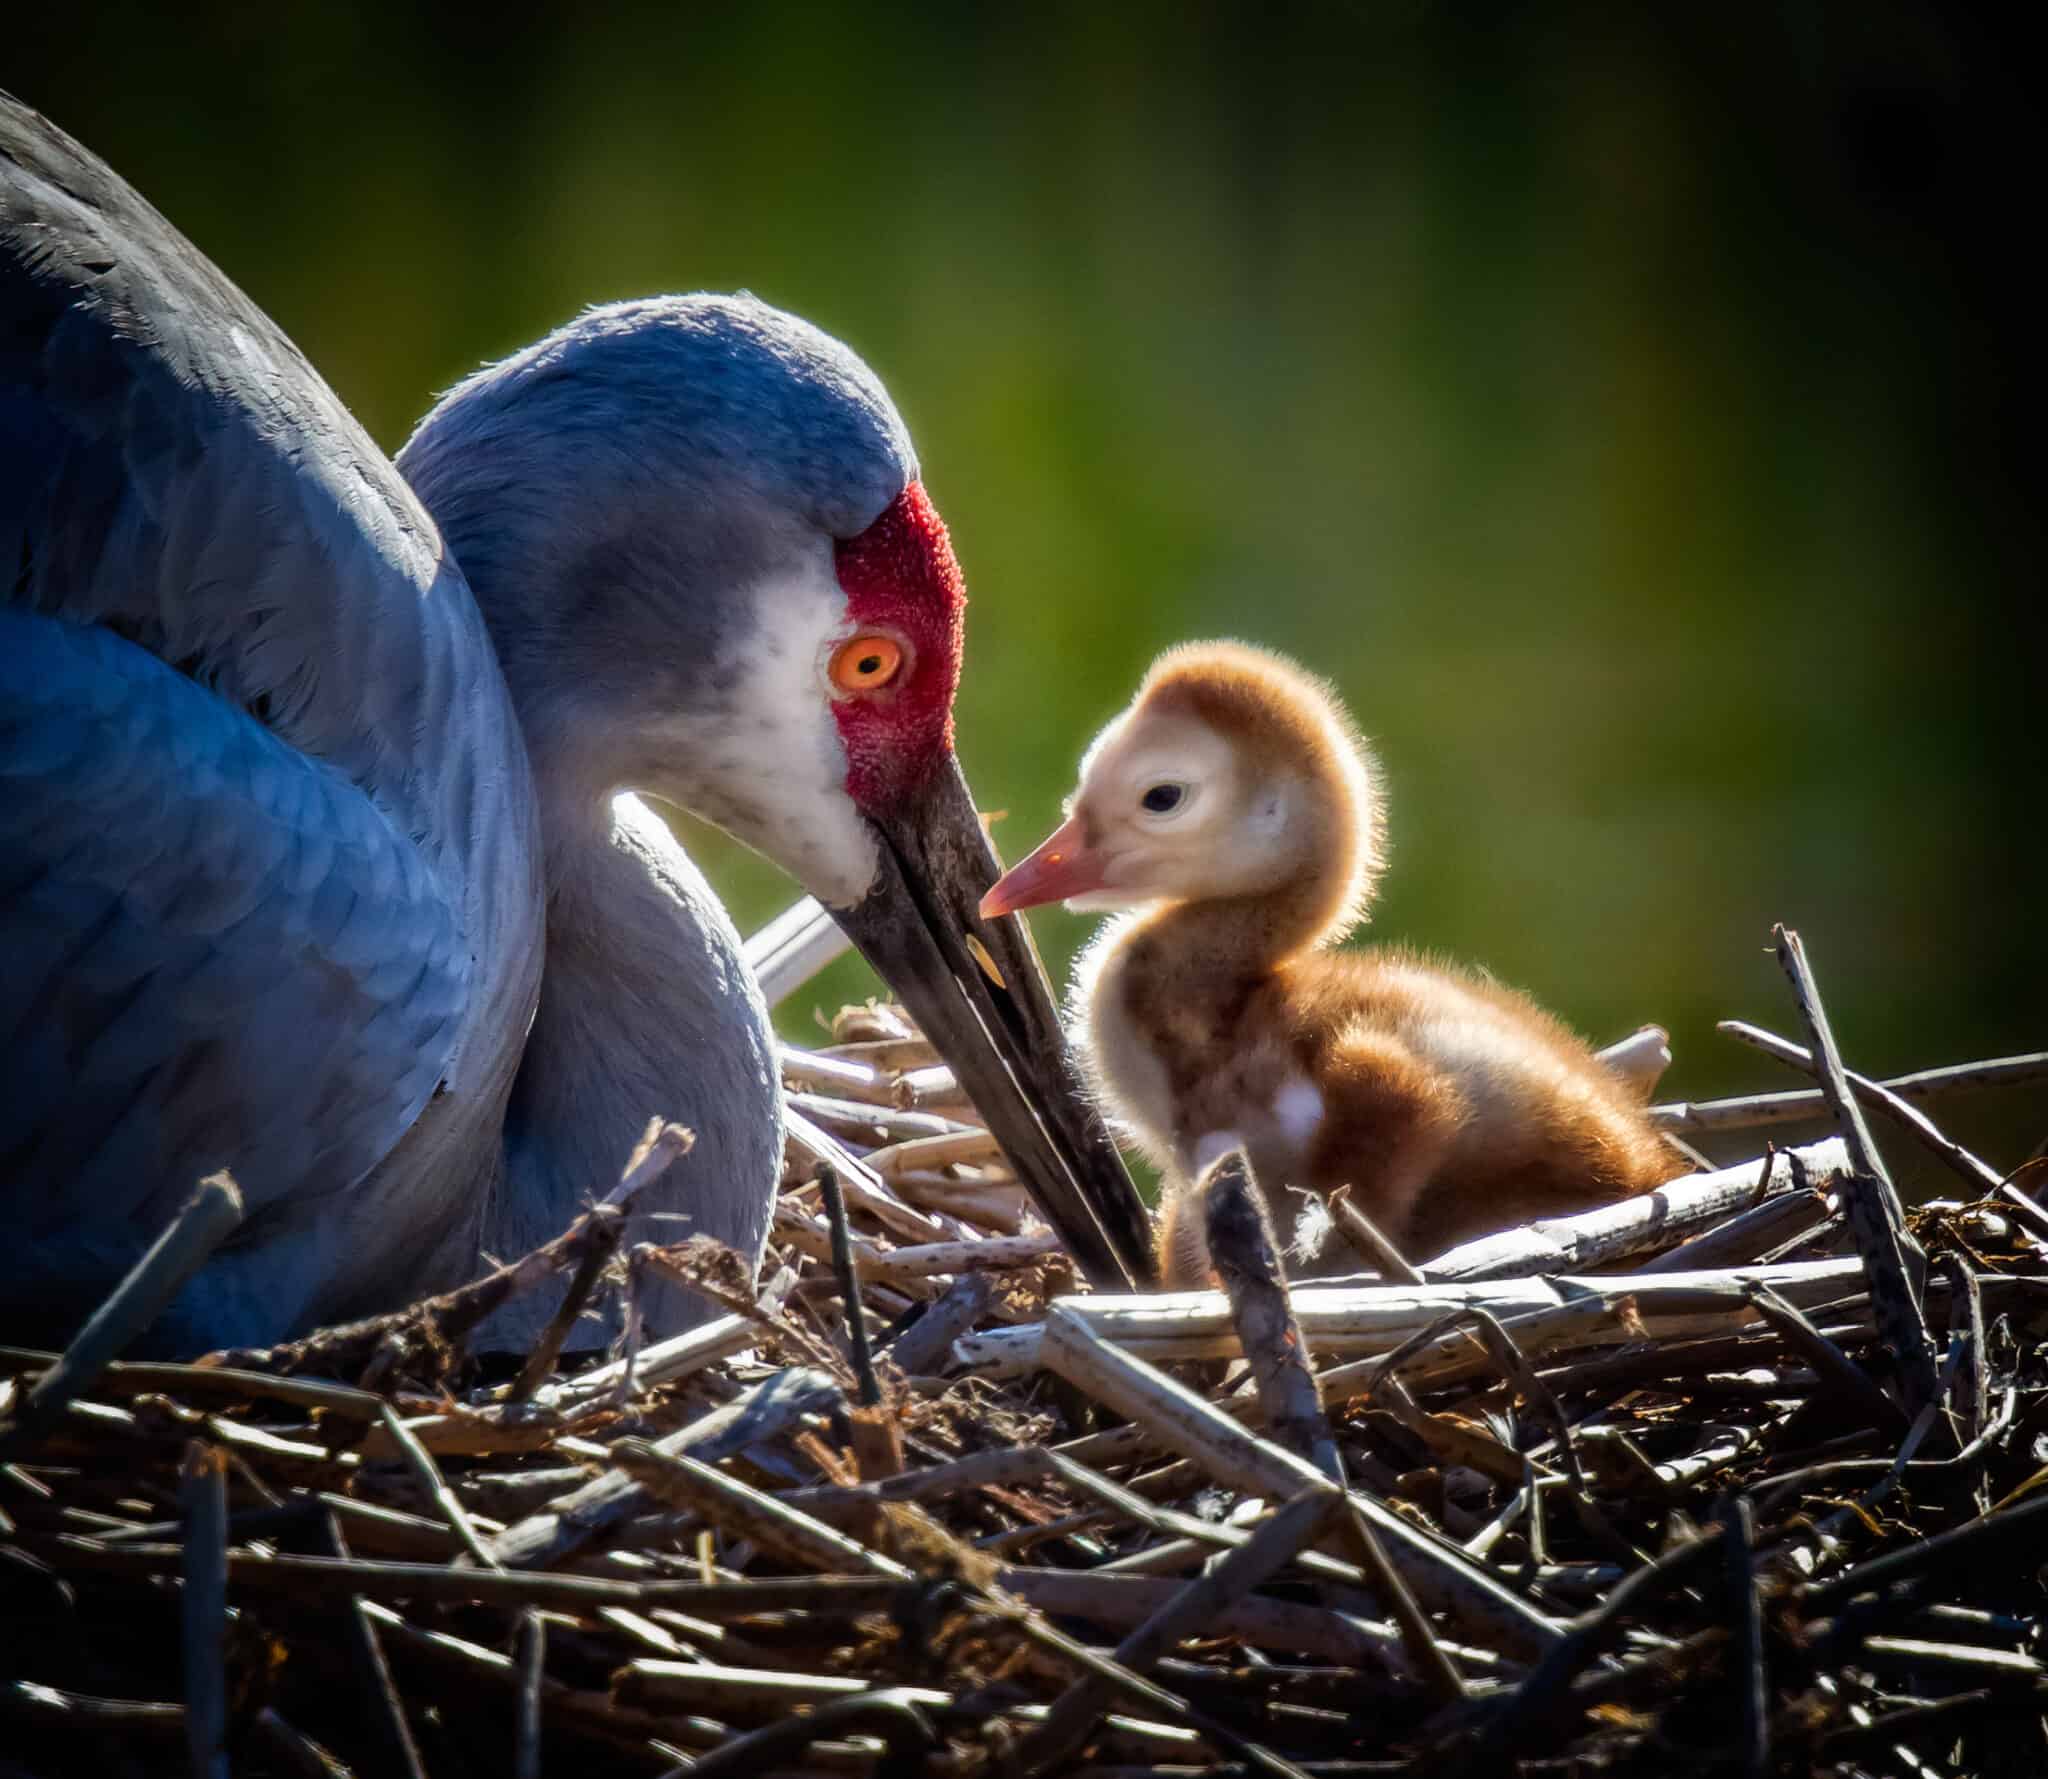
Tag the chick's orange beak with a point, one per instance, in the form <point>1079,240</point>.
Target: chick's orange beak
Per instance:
<point>1063,866</point>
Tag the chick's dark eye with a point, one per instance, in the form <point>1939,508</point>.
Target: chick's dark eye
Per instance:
<point>1161,798</point>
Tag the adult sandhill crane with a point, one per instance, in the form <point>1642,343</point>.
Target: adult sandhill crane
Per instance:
<point>315,861</point>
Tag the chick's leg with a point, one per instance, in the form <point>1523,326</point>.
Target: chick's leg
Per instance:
<point>1183,1238</point>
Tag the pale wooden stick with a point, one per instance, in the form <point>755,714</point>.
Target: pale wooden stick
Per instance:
<point>665,1362</point>
<point>872,1127</point>
<point>886,1055</point>
<point>1746,1236</point>
<point>708,1689</point>
<point>1635,1225</point>
<point>436,1486</point>
<point>1641,1058</point>
<point>1361,1321</point>
<point>942,1150</point>
<point>793,947</point>
<point>865,1189</point>
<point>837,1076</point>
<point>996,1253</point>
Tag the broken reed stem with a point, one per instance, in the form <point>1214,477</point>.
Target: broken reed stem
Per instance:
<point>608,1225</point>
<point>1365,1235</point>
<point>1893,1261</point>
<point>896,1716</point>
<point>1746,1616</point>
<point>203,1607</point>
<point>849,1286</point>
<point>1242,1250</point>
<point>421,1462</point>
<point>205,1221</point>
<point>1426,1655</point>
<point>532,1659</point>
<point>399,1752</point>
<point>1637,1225</point>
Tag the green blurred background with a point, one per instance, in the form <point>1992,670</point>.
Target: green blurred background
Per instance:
<point>1625,414</point>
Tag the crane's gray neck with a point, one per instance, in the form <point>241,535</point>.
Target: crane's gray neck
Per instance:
<point>646,1010</point>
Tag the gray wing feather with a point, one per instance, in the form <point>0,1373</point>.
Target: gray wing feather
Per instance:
<point>269,871</point>
<point>216,953</point>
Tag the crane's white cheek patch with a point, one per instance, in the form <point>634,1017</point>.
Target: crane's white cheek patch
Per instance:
<point>1298,1112</point>
<point>764,760</point>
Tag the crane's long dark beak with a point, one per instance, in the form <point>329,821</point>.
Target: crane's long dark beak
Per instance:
<point>1003,1040</point>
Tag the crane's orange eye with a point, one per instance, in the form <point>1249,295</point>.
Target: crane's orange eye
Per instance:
<point>866,663</point>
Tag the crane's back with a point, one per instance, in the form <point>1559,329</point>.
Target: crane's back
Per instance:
<point>271,885</point>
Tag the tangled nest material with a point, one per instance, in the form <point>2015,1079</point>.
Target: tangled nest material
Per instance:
<point>1744,1477</point>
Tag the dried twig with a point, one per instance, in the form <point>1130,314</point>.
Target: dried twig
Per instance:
<point>1746,1615</point>
<point>570,1523</point>
<point>422,1464</point>
<point>204,1609</point>
<point>849,1290</point>
<point>1892,1259</point>
<point>694,1525</point>
<point>532,1659</point>
<point>1246,1259</point>
<point>431,1328</point>
<point>1298,1523</point>
<point>201,1226</point>
<point>1751,1110</point>
<point>1441,1575</point>
<point>1878,1098</point>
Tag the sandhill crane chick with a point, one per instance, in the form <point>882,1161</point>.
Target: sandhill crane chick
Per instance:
<point>1235,813</point>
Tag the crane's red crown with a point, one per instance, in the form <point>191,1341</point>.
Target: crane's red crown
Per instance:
<point>901,581</point>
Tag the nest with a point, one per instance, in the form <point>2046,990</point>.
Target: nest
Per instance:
<point>1740,1477</point>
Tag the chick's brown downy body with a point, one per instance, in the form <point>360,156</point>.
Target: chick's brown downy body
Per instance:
<point>1234,810</point>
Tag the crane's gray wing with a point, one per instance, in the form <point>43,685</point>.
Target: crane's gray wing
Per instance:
<point>269,875</point>
<point>217,953</point>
